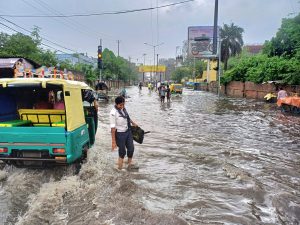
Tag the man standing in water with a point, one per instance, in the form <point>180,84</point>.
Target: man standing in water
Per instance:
<point>121,135</point>
<point>281,93</point>
<point>168,92</point>
<point>162,92</point>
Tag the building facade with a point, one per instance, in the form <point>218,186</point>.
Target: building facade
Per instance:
<point>77,58</point>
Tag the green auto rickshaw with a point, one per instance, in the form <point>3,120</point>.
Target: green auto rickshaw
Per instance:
<point>38,135</point>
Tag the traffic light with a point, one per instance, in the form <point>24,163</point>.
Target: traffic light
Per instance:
<point>99,57</point>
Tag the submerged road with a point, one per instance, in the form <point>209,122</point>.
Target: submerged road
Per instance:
<point>206,161</point>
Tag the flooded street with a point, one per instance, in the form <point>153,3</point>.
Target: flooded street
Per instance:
<point>206,161</point>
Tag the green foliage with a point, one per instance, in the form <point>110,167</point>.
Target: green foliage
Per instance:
<point>261,68</point>
<point>47,58</point>
<point>66,64</point>
<point>231,42</point>
<point>19,45</point>
<point>26,46</point>
<point>200,66</point>
<point>88,70</point>
<point>180,73</point>
<point>186,71</point>
<point>117,68</point>
<point>286,43</point>
<point>279,60</point>
<point>29,47</point>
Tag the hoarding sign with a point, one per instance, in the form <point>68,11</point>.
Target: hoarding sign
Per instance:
<point>200,41</point>
<point>145,69</point>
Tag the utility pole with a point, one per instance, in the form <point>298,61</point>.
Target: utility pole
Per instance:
<point>154,73</point>
<point>157,68</point>
<point>118,47</point>
<point>219,68</point>
<point>99,56</point>
<point>144,55</point>
<point>154,46</point>
<point>101,64</point>
<point>216,51</point>
<point>207,70</point>
<point>194,70</point>
<point>215,41</point>
<point>144,65</point>
<point>129,69</point>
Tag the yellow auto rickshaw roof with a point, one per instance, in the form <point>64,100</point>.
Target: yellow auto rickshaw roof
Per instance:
<point>43,81</point>
<point>75,118</point>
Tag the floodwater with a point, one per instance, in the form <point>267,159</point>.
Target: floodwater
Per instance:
<point>207,160</point>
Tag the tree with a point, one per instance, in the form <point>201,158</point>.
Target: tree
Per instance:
<point>231,42</point>
<point>47,58</point>
<point>287,40</point>
<point>261,68</point>
<point>19,45</point>
<point>198,64</point>
<point>26,46</point>
<point>117,67</point>
<point>181,73</point>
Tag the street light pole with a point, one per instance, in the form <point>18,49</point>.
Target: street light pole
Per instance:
<point>144,65</point>
<point>216,50</point>
<point>100,75</point>
<point>219,68</point>
<point>154,74</point>
<point>215,33</point>
<point>154,46</point>
<point>157,68</point>
<point>194,71</point>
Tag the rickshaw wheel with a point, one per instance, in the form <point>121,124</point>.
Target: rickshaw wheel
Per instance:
<point>84,152</point>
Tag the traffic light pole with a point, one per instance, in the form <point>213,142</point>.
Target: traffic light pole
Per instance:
<point>100,60</point>
<point>100,76</point>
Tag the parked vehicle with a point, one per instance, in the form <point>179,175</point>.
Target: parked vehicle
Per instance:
<point>102,91</point>
<point>32,136</point>
<point>176,88</point>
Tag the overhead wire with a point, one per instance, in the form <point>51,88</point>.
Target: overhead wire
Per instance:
<point>67,21</point>
<point>70,23</point>
<point>51,47</point>
<point>10,28</point>
<point>41,36</point>
<point>38,9</point>
<point>74,24</point>
<point>100,14</point>
<point>59,15</point>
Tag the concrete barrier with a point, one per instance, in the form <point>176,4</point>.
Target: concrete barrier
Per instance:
<point>238,89</point>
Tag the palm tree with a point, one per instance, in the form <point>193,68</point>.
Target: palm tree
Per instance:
<point>231,42</point>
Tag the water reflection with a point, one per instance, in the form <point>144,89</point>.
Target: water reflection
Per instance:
<point>208,160</point>
<point>217,160</point>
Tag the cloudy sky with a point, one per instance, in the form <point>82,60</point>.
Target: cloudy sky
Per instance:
<point>259,18</point>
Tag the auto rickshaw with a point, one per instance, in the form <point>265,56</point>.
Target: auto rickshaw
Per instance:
<point>176,88</point>
<point>38,137</point>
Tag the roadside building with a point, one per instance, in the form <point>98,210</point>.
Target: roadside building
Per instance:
<point>77,58</point>
<point>254,49</point>
<point>17,67</point>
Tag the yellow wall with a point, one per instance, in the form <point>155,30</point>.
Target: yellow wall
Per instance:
<point>212,72</point>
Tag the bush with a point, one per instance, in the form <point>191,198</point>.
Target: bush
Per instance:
<point>261,68</point>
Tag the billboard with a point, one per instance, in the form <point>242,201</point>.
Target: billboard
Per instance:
<point>200,41</point>
<point>145,69</point>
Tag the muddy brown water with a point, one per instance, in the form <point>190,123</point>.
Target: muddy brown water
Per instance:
<point>206,161</point>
